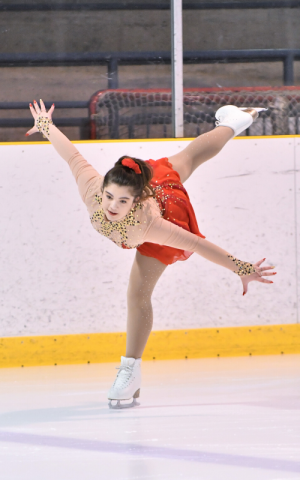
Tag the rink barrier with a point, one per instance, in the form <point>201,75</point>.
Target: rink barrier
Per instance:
<point>162,345</point>
<point>146,140</point>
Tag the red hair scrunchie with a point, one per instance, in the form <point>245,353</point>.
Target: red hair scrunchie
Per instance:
<point>128,162</point>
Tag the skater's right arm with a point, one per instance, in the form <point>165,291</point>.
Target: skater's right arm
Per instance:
<point>163,232</point>
<point>85,175</point>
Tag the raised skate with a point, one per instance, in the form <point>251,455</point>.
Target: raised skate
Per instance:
<point>238,119</point>
<point>127,384</point>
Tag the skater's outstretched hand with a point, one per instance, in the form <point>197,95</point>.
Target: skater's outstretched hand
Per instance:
<point>39,111</point>
<point>257,276</point>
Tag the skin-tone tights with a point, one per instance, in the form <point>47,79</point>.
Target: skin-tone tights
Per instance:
<point>146,271</point>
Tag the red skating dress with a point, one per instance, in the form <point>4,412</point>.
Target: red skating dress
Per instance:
<point>163,227</point>
<point>175,207</point>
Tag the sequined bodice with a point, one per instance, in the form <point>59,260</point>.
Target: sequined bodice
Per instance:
<point>128,232</point>
<point>168,220</point>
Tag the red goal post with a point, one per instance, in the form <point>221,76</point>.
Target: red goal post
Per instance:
<point>146,113</point>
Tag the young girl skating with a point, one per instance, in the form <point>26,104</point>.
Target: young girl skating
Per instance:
<point>143,205</point>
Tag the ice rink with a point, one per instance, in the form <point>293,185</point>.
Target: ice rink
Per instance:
<point>208,419</point>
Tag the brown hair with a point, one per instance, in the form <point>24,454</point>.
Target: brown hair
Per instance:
<point>126,177</point>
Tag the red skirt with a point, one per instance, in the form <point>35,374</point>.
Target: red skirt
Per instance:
<point>176,208</point>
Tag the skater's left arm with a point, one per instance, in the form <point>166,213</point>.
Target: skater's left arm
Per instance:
<point>166,233</point>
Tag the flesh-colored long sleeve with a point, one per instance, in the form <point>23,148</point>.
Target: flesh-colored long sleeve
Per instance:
<point>166,233</point>
<point>85,175</point>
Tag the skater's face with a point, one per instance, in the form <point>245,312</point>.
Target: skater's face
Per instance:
<point>117,201</point>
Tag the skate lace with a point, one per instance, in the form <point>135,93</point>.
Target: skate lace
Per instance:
<point>124,373</point>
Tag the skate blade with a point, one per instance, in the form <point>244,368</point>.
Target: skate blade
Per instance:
<point>254,108</point>
<point>120,406</point>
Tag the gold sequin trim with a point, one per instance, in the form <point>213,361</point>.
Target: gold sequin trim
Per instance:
<point>42,124</point>
<point>244,268</point>
<point>106,228</point>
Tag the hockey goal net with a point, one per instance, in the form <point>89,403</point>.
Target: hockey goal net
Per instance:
<point>129,114</point>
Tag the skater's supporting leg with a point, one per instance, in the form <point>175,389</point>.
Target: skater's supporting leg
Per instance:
<point>200,150</point>
<point>144,275</point>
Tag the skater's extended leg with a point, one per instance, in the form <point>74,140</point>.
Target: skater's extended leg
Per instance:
<point>200,150</point>
<point>144,275</point>
<point>231,121</point>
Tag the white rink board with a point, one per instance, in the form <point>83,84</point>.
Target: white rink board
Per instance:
<point>59,276</point>
<point>297,201</point>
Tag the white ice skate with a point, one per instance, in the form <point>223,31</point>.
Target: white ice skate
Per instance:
<point>236,118</point>
<point>127,384</point>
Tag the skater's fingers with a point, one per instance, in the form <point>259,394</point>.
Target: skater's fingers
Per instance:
<point>245,280</point>
<point>36,106</point>
<point>264,280</point>
<point>43,108</point>
<point>271,267</point>
<point>258,264</point>
<point>31,131</point>
<point>51,110</point>
<point>33,112</point>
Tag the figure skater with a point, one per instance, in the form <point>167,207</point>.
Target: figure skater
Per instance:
<point>143,205</point>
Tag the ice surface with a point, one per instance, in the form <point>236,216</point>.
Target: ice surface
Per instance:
<point>208,419</point>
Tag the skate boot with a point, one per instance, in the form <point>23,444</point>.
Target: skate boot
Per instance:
<point>127,384</point>
<point>238,119</point>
